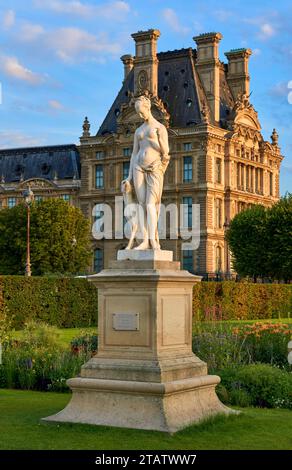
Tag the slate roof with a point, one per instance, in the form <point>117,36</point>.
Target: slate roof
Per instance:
<point>40,162</point>
<point>178,87</point>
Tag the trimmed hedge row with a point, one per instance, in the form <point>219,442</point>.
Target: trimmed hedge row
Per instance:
<point>63,302</point>
<point>70,302</point>
<point>231,300</point>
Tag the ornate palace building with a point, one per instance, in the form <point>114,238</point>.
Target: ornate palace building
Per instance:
<point>219,158</point>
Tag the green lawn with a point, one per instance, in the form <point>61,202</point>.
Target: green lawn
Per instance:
<point>65,334</point>
<point>20,413</point>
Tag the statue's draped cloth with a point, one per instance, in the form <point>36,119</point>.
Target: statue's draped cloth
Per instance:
<point>153,175</point>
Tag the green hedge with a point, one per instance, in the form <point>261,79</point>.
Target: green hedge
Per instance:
<point>63,302</point>
<point>230,300</point>
<point>70,302</point>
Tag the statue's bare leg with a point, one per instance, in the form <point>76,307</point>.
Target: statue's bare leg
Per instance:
<point>140,188</point>
<point>152,222</point>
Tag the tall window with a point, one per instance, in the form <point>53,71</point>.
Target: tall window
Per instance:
<point>99,155</point>
<point>218,170</point>
<point>99,176</point>
<point>126,168</point>
<point>66,197</point>
<point>188,260</point>
<point>11,202</point>
<point>98,260</point>
<point>238,174</point>
<point>218,215</point>
<point>242,176</point>
<point>247,177</point>
<point>218,259</point>
<point>271,184</point>
<point>187,215</point>
<point>188,169</point>
<point>261,181</point>
<point>127,152</point>
<point>187,146</point>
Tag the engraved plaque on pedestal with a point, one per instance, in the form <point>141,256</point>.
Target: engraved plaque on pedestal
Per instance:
<point>126,321</point>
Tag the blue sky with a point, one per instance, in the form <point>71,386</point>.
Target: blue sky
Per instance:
<point>60,60</point>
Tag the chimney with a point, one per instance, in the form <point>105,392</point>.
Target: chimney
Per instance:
<point>146,62</point>
<point>128,61</point>
<point>208,67</point>
<point>238,77</point>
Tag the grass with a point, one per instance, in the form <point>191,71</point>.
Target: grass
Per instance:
<point>65,334</point>
<point>21,411</point>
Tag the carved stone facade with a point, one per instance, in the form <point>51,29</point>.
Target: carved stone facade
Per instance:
<point>219,158</point>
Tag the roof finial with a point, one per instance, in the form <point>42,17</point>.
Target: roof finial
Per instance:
<point>86,128</point>
<point>274,137</point>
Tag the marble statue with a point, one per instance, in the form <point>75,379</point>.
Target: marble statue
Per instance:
<point>149,161</point>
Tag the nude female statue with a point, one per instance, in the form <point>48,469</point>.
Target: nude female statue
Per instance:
<point>149,160</point>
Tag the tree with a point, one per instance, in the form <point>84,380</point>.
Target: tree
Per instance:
<point>60,238</point>
<point>261,241</point>
<point>247,240</point>
<point>279,229</point>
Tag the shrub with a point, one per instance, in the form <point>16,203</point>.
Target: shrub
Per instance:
<point>265,342</point>
<point>39,362</point>
<point>39,369</point>
<point>221,344</point>
<point>231,300</point>
<point>260,385</point>
<point>40,335</point>
<point>85,342</point>
<point>219,348</point>
<point>63,302</point>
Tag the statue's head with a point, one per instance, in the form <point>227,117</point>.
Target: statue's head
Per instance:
<point>143,107</point>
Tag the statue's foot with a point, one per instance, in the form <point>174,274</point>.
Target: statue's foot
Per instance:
<point>143,246</point>
<point>155,245</point>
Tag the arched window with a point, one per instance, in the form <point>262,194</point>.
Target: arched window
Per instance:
<point>218,259</point>
<point>98,260</point>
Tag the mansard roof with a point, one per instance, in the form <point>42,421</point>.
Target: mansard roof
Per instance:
<point>180,89</point>
<point>61,161</point>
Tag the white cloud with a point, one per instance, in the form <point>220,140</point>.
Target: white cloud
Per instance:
<point>266,31</point>
<point>256,52</point>
<point>13,139</point>
<point>8,19</point>
<point>173,22</point>
<point>29,32</point>
<point>70,44</point>
<point>267,27</point>
<point>14,69</point>
<point>280,89</point>
<point>55,105</point>
<point>114,11</point>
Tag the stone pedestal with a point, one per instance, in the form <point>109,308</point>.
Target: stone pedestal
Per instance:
<point>145,375</point>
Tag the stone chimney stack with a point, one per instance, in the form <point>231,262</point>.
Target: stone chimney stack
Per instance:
<point>238,77</point>
<point>146,62</point>
<point>128,61</point>
<point>208,67</point>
